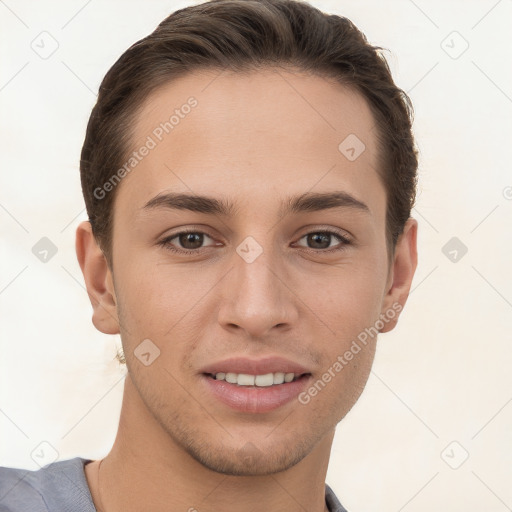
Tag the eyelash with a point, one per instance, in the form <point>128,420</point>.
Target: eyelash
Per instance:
<point>166,242</point>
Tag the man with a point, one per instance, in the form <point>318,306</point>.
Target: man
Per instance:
<point>249,172</point>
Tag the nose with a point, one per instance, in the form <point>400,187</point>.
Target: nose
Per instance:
<point>258,297</point>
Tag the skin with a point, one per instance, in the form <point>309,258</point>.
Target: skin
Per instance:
<point>253,139</point>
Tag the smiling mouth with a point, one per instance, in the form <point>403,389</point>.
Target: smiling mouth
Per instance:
<point>257,381</point>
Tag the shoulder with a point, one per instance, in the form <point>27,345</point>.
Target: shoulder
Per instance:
<point>58,486</point>
<point>332,501</point>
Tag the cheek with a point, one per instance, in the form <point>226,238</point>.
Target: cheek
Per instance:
<point>349,301</point>
<point>160,302</point>
<point>350,308</point>
<point>346,355</point>
<point>334,392</point>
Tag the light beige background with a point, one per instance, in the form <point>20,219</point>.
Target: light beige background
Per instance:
<point>441,386</point>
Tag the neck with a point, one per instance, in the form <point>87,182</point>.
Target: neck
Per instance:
<point>144,457</point>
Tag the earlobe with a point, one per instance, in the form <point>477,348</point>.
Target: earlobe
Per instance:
<point>403,268</point>
<point>98,280</point>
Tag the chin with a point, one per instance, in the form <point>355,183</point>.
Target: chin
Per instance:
<point>249,460</point>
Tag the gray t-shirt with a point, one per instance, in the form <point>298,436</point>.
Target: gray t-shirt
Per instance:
<point>62,487</point>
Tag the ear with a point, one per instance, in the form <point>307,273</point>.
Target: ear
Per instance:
<point>98,280</point>
<point>401,274</point>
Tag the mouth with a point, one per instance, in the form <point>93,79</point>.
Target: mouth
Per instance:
<point>265,380</point>
<point>254,386</point>
<point>249,385</point>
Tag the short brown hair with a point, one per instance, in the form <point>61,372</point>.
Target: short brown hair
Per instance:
<point>247,35</point>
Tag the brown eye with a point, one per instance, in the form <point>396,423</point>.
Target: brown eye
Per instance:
<point>194,239</point>
<point>321,240</point>
<point>187,242</point>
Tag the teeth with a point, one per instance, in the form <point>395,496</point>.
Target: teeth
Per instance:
<point>279,378</point>
<point>230,377</point>
<point>264,380</point>
<point>244,379</point>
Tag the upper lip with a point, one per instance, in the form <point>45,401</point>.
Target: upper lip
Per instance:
<point>254,366</point>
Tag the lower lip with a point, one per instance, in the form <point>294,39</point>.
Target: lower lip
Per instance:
<point>255,399</point>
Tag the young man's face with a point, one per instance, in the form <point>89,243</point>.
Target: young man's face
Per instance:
<point>263,282</point>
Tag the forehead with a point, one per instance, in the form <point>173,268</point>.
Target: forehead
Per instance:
<point>260,133</point>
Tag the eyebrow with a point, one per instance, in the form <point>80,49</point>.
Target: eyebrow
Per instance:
<point>307,202</point>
